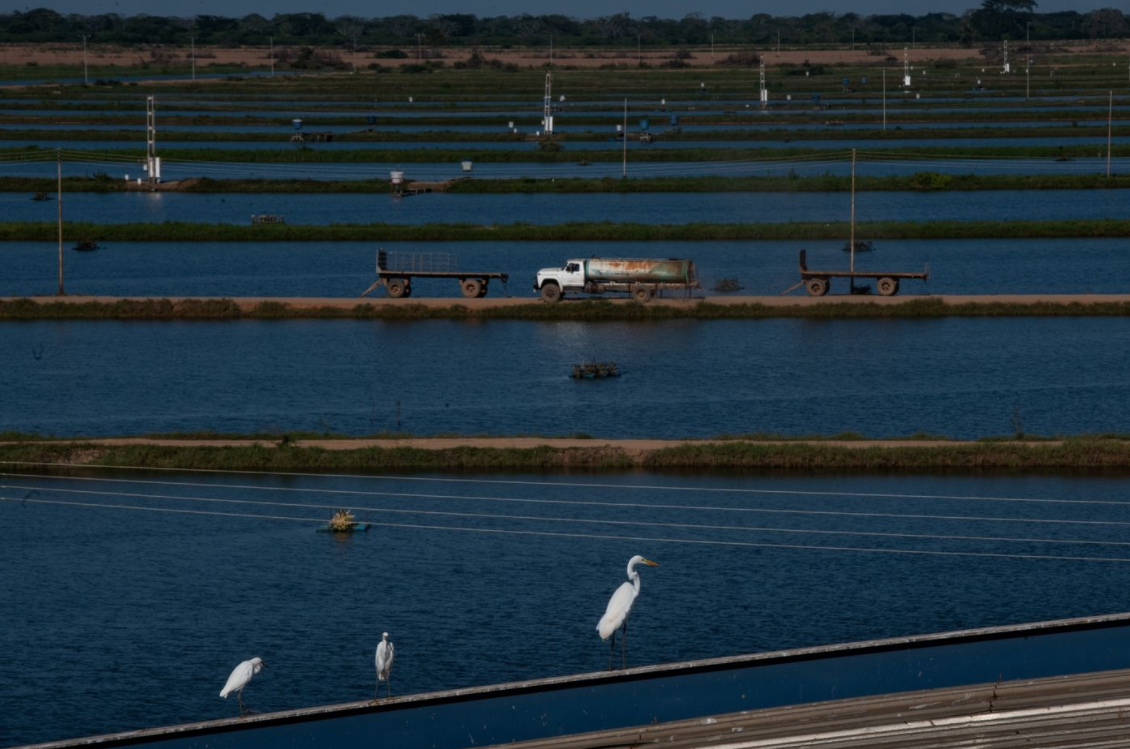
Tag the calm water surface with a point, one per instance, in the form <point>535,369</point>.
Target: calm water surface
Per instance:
<point>956,376</point>
<point>118,619</point>
<point>345,269</point>
<point>647,208</point>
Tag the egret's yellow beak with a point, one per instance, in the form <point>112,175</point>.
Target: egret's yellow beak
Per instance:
<point>650,563</point>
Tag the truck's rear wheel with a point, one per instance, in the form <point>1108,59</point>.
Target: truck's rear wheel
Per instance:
<point>887,286</point>
<point>483,290</point>
<point>396,287</point>
<point>470,287</point>
<point>816,286</point>
<point>551,293</point>
<point>643,294</point>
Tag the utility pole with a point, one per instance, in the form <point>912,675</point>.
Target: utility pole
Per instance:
<point>764,90</point>
<point>624,175</point>
<point>59,201</point>
<point>547,109</point>
<point>913,37</point>
<point>711,48</point>
<point>1109,118</point>
<point>1028,79</point>
<point>85,69</point>
<point>639,54</point>
<point>192,41</point>
<point>778,41</point>
<point>551,51</point>
<point>853,40</point>
<point>419,47</point>
<point>884,100</point>
<point>272,40</point>
<point>851,235</point>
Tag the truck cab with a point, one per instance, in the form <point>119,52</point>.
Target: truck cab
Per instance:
<point>552,283</point>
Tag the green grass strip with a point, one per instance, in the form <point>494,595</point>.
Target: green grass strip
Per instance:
<point>1071,456</point>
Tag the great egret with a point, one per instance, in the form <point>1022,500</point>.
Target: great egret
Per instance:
<point>619,606</point>
<point>241,677</point>
<point>385,653</point>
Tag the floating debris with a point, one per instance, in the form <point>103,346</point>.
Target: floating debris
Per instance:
<point>727,285</point>
<point>268,218</point>
<point>860,246</point>
<point>595,370</point>
<point>87,245</point>
<point>41,196</point>
<point>343,522</point>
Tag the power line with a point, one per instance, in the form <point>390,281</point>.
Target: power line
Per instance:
<point>589,521</point>
<point>554,534</point>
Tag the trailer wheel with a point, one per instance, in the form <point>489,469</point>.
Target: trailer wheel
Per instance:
<point>470,287</point>
<point>550,292</point>
<point>396,287</point>
<point>407,289</point>
<point>887,286</point>
<point>643,294</point>
<point>483,290</point>
<point>816,286</point>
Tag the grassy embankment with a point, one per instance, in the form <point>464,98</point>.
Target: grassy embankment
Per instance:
<point>1071,455</point>
<point>49,308</point>
<point>580,232</point>
<point>917,182</point>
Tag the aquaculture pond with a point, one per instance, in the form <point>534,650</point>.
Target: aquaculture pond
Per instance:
<point>964,377</point>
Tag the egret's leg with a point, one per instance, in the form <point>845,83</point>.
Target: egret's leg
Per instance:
<point>611,650</point>
<point>239,698</point>
<point>624,646</point>
<point>377,690</point>
<point>388,684</point>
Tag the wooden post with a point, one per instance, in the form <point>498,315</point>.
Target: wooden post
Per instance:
<point>59,206</point>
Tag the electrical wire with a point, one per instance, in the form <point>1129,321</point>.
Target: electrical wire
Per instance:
<point>555,534</point>
<point>587,521</point>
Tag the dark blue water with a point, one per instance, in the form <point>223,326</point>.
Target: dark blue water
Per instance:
<point>345,269</point>
<point>647,208</point>
<point>956,376</point>
<point>118,619</point>
<point>835,162</point>
<point>282,142</point>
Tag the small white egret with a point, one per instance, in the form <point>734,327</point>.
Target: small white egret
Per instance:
<point>619,606</point>
<point>241,677</point>
<point>385,653</point>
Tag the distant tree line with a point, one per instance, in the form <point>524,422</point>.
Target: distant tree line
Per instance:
<point>991,22</point>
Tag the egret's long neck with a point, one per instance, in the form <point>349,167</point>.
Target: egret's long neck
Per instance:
<point>636,582</point>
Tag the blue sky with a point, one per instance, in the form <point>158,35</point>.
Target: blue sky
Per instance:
<point>579,8</point>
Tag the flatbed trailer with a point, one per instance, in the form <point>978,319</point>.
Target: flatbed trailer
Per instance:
<point>817,282</point>
<point>395,271</point>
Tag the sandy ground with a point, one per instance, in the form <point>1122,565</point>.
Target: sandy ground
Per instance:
<point>796,300</point>
<point>176,58</point>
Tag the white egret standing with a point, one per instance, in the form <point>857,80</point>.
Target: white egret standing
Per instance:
<point>385,653</point>
<point>619,606</point>
<point>241,677</point>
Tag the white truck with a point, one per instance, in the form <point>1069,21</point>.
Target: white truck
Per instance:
<point>641,278</point>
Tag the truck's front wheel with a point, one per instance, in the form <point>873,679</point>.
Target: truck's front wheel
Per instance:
<point>550,292</point>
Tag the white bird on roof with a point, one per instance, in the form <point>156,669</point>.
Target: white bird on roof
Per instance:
<point>619,606</point>
<point>241,677</point>
<point>385,653</point>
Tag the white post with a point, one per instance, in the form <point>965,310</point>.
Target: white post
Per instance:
<point>151,161</point>
<point>547,107</point>
<point>85,69</point>
<point>764,91</point>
